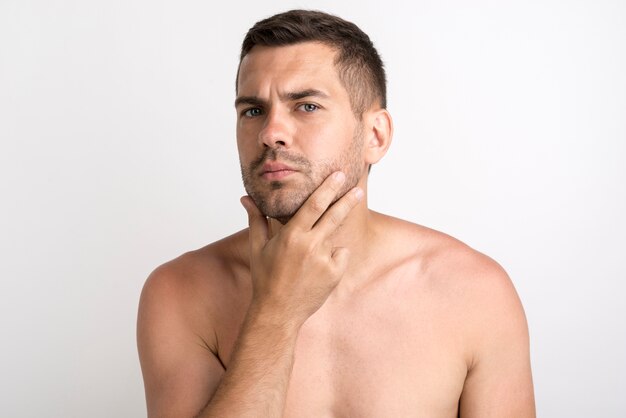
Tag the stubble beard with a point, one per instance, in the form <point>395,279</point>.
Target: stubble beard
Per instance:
<point>281,202</point>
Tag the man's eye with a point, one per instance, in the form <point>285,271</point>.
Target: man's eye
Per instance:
<point>309,107</point>
<point>252,112</point>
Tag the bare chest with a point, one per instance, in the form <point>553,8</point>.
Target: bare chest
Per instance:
<point>377,358</point>
<point>395,350</point>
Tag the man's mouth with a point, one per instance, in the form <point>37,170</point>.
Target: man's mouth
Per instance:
<point>276,171</point>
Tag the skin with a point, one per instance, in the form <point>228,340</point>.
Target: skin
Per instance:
<point>336,310</point>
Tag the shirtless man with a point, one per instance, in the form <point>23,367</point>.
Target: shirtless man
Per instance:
<point>322,307</point>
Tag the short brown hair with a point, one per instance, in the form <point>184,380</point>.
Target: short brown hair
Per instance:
<point>360,68</point>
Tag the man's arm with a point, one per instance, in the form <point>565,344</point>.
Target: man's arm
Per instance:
<point>292,275</point>
<point>179,370</point>
<point>499,382</point>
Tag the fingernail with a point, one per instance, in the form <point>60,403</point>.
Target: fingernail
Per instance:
<point>358,193</point>
<point>339,176</point>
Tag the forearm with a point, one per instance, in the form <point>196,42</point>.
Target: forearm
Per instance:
<point>255,384</point>
<point>293,271</point>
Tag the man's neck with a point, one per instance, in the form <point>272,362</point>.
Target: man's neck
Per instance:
<point>356,234</point>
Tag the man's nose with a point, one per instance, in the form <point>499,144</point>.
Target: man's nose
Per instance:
<point>276,131</point>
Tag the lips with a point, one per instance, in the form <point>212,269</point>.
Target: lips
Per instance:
<point>275,170</point>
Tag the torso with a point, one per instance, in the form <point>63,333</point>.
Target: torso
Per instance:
<point>385,353</point>
<point>394,347</point>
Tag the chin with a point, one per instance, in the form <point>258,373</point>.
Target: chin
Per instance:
<point>282,212</point>
<point>283,219</point>
<point>278,206</point>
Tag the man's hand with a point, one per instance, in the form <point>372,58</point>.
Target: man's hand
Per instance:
<point>294,271</point>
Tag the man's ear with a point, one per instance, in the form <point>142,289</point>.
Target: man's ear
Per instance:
<point>378,134</point>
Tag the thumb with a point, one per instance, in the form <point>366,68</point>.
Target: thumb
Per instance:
<point>257,222</point>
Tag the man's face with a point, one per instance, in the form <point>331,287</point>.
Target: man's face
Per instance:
<point>295,126</point>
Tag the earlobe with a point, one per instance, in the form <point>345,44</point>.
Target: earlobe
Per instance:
<point>379,135</point>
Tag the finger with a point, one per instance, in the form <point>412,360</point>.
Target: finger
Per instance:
<point>318,202</point>
<point>334,216</point>
<point>257,222</point>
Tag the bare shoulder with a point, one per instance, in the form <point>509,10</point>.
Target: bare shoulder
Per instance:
<point>198,290</point>
<point>212,268</point>
<point>184,306</point>
<point>447,262</point>
<point>479,298</point>
<point>475,286</point>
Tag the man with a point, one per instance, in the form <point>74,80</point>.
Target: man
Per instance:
<point>322,307</point>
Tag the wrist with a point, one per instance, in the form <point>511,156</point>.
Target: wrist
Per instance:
<point>267,316</point>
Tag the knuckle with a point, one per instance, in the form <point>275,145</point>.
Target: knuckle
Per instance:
<point>311,251</point>
<point>335,218</point>
<point>317,205</point>
<point>349,202</point>
<point>290,238</point>
<point>343,208</point>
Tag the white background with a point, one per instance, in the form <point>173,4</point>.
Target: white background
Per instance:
<point>118,153</point>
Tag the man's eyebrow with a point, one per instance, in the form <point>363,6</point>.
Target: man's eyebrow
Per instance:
<point>291,96</point>
<point>251,100</point>
<point>297,95</point>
